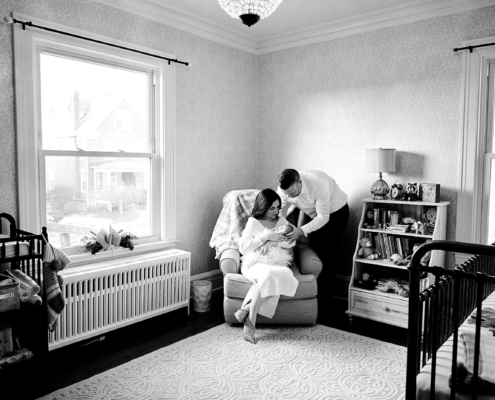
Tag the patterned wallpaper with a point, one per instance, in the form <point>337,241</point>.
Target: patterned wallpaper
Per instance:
<point>243,118</point>
<point>323,105</point>
<point>216,104</point>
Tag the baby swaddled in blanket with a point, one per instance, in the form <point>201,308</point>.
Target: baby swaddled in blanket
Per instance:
<point>272,253</point>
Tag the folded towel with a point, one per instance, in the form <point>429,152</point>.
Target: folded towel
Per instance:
<point>486,370</point>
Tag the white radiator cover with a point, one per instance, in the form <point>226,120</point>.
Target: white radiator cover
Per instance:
<point>108,295</point>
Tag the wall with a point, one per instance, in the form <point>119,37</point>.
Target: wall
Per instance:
<point>322,105</point>
<point>319,106</point>
<point>216,104</point>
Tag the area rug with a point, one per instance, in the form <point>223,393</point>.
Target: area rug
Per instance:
<point>314,363</point>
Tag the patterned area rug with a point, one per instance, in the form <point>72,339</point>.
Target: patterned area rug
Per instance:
<point>314,363</point>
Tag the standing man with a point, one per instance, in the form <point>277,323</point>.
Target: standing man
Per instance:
<point>317,195</point>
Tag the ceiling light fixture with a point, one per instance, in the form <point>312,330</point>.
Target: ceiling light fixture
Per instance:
<point>249,11</point>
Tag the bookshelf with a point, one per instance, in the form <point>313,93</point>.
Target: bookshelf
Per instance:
<point>390,307</point>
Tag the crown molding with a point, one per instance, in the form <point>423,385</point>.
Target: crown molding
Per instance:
<point>183,21</point>
<point>207,29</point>
<point>418,11</point>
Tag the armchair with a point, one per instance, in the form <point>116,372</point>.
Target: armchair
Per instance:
<point>298,310</point>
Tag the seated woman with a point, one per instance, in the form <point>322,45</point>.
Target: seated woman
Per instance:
<point>265,261</point>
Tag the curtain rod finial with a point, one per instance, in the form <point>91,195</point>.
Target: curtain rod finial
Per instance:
<point>8,20</point>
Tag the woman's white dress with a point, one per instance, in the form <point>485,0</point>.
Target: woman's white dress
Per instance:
<point>273,280</point>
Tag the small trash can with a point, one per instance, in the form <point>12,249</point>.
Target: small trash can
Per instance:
<point>201,296</point>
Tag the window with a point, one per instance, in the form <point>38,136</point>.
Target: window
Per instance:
<point>50,179</point>
<point>104,146</point>
<point>475,207</point>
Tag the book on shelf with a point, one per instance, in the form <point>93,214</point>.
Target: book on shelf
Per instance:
<point>398,228</point>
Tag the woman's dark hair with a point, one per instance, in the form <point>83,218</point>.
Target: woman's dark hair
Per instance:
<point>264,201</point>
<point>287,178</point>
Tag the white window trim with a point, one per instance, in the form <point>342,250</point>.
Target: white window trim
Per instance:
<point>28,140</point>
<point>472,141</point>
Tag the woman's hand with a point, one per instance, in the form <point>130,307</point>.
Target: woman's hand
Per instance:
<point>272,236</point>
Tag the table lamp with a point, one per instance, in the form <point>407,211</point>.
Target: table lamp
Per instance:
<point>380,160</point>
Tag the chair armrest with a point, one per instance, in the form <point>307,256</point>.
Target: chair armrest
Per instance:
<point>229,261</point>
<point>307,260</point>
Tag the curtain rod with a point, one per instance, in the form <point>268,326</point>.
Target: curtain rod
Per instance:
<point>11,20</point>
<point>470,48</point>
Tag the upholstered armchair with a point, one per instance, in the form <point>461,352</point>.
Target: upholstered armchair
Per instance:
<point>298,310</point>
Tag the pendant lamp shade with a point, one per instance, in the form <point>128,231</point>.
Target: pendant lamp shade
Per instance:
<point>249,11</point>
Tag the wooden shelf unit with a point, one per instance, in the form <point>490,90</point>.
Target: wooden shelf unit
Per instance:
<point>375,305</point>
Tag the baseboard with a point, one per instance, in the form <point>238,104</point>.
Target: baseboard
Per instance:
<point>215,277</point>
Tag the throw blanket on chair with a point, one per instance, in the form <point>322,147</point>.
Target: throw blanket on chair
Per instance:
<point>237,207</point>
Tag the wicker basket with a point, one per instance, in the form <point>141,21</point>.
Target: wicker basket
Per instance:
<point>9,297</point>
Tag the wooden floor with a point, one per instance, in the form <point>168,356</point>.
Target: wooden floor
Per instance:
<point>79,361</point>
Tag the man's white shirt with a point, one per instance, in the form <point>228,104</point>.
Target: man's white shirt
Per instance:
<point>320,196</point>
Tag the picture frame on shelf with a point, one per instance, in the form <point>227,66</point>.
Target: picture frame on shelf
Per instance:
<point>429,192</point>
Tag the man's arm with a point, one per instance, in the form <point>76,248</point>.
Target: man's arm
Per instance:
<point>322,205</point>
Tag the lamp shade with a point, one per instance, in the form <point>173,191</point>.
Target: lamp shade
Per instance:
<point>380,160</point>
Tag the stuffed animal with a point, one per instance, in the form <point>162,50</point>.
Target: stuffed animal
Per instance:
<point>424,260</point>
<point>366,251</point>
<point>395,258</point>
<point>367,281</point>
<point>412,192</point>
<point>393,286</point>
<point>369,221</point>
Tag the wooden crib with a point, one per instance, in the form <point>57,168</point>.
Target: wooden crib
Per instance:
<point>440,315</point>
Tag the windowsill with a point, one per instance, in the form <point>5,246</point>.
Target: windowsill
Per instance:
<point>86,258</point>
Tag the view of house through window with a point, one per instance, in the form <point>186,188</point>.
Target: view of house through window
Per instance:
<point>96,151</point>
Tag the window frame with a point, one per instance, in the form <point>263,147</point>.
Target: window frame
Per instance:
<point>31,181</point>
<point>473,142</point>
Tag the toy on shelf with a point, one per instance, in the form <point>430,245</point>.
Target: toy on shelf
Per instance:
<point>429,220</point>
<point>367,281</point>
<point>366,250</point>
<point>393,286</point>
<point>369,221</point>
<point>412,192</point>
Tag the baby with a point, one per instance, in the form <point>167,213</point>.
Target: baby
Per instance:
<point>284,229</point>
<point>271,252</point>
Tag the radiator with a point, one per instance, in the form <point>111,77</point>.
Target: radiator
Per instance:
<point>108,295</point>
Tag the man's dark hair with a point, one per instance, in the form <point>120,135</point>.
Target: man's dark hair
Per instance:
<point>287,178</point>
<point>264,201</point>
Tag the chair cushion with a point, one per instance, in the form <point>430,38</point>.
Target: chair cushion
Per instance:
<point>237,286</point>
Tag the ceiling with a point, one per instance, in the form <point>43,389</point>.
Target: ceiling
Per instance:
<point>294,22</point>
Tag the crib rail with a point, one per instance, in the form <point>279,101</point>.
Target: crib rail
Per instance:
<point>437,312</point>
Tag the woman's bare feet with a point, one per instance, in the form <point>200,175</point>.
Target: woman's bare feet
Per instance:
<point>249,331</point>
<point>241,315</point>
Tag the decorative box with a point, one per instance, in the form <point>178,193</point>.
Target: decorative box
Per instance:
<point>429,192</point>
<point>9,297</point>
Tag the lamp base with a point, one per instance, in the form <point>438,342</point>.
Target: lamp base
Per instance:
<point>380,189</point>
